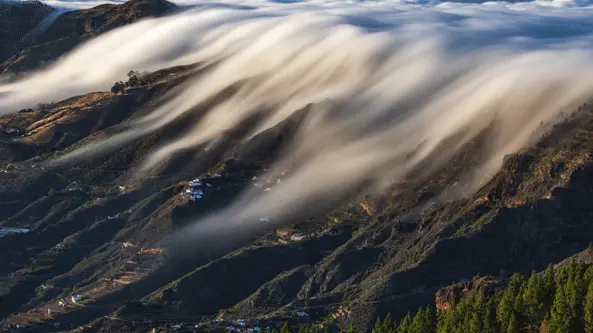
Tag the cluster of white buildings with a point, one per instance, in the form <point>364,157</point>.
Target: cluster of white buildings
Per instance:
<point>74,299</point>
<point>248,330</point>
<point>195,189</point>
<point>298,237</point>
<point>241,328</point>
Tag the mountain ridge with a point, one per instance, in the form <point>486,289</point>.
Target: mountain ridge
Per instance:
<point>73,28</point>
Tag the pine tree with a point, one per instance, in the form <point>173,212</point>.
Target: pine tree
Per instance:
<point>387,326</point>
<point>445,322</point>
<point>466,321</point>
<point>588,276</point>
<point>352,329</point>
<point>534,298</point>
<point>285,328</point>
<point>519,305</point>
<point>506,306</point>
<point>479,304</point>
<point>421,322</point>
<point>560,314</point>
<point>490,318</point>
<point>405,324</point>
<point>430,319</point>
<point>576,297</point>
<point>588,312</point>
<point>302,329</point>
<point>377,328</point>
<point>561,274</point>
<point>549,291</point>
<point>475,324</point>
<point>513,325</point>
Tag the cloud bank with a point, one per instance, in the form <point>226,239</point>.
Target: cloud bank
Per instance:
<point>390,84</point>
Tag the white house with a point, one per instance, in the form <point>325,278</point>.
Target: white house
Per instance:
<point>297,237</point>
<point>14,230</point>
<point>195,182</point>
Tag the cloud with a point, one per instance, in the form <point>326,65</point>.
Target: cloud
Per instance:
<point>394,87</point>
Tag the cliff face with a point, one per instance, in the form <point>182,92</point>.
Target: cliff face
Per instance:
<point>446,298</point>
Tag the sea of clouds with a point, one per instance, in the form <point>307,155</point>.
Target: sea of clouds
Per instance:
<point>390,81</point>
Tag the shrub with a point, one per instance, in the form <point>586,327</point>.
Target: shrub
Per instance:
<point>135,79</point>
<point>118,87</point>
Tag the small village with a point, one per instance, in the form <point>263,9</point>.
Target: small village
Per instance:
<point>332,323</point>
<point>195,190</point>
<point>196,187</point>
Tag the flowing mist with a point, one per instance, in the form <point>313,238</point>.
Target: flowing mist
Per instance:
<point>387,85</point>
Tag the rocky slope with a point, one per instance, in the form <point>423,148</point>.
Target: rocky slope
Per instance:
<point>95,229</point>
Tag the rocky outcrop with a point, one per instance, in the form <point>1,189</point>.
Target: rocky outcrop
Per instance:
<point>447,297</point>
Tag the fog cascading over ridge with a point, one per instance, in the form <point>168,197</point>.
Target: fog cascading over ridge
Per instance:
<point>387,88</point>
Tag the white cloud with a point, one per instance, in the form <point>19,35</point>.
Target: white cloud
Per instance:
<point>402,78</point>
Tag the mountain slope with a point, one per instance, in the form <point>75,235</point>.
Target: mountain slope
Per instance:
<point>394,261</point>
<point>18,25</point>
<point>100,230</point>
<point>75,27</point>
